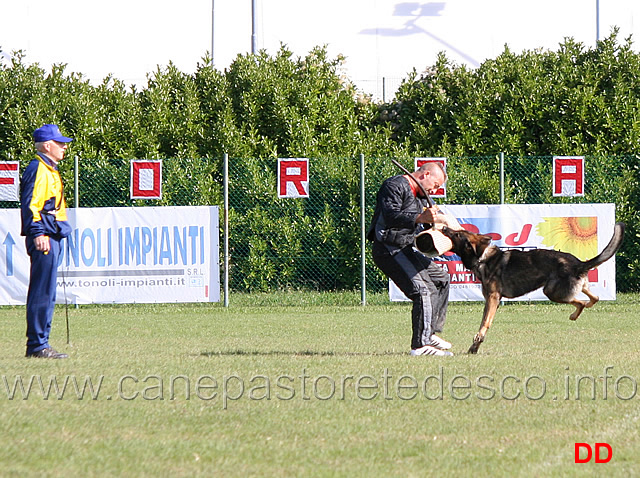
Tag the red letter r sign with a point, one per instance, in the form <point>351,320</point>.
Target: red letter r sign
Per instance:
<point>293,178</point>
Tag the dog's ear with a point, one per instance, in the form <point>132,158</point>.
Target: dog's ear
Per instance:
<point>485,240</point>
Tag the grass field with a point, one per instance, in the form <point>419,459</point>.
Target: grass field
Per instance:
<point>294,385</point>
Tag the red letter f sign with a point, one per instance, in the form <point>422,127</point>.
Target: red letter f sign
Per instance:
<point>293,178</point>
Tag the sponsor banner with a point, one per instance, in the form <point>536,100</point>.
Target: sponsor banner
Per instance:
<point>123,255</point>
<point>580,229</point>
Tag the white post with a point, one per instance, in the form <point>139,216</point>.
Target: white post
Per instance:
<point>225,182</point>
<point>363,234</point>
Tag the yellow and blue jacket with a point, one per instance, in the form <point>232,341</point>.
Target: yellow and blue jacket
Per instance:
<point>43,208</point>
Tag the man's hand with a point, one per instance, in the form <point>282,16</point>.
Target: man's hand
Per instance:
<point>42,243</point>
<point>430,216</point>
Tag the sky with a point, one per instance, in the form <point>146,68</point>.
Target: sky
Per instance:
<point>382,40</point>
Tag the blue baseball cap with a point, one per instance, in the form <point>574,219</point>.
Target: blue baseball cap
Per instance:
<point>49,132</point>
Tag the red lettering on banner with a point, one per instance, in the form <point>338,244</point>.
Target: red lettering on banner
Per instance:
<point>510,240</point>
<point>458,273</point>
<point>472,228</point>
<point>524,235</point>
<point>293,172</point>
<point>568,176</point>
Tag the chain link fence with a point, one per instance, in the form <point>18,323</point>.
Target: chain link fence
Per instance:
<point>316,243</point>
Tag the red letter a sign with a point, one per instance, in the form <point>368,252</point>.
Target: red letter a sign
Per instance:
<point>568,176</point>
<point>146,179</point>
<point>293,178</point>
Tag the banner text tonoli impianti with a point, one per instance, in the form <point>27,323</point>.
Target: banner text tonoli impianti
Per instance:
<point>166,245</point>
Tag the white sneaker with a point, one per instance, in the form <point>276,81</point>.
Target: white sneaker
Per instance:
<point>431,350</point>
<point>440,343</point>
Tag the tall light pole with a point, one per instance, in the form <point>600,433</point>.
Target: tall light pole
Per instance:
<point>597,21</point>
<point>254,35</point>
<point>213,18</point>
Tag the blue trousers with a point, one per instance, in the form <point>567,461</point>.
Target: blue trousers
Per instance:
<point>41,297</point>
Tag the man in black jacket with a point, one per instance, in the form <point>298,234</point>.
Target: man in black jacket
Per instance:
<point>400,213</point>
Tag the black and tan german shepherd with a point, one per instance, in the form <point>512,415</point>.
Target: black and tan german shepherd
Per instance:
<point>514,273</point>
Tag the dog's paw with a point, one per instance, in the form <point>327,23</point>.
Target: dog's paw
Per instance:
<point>477,340</point>
<point>591,302</point>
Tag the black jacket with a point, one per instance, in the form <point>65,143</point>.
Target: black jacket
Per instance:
<point>394,219</point>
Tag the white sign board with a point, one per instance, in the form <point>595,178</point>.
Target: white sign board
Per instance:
<point>123,255</point>
<point>580,229</point>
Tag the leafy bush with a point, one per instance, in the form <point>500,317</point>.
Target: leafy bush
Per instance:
<point>530,106</point>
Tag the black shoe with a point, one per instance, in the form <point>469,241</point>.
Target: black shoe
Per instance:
<point>49,352</point>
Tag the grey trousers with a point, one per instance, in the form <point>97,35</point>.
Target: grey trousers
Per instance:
<point>425,283</point>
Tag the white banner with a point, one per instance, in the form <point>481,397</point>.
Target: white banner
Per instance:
<point>580,229</point>
<point>123,255</point>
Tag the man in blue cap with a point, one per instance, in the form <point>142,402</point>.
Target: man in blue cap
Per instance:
<point>44,223</point>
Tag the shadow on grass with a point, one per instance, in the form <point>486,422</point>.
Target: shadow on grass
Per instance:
<point>301,353</point>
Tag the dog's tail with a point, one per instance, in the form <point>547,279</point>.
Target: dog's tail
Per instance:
<point>608,252</point>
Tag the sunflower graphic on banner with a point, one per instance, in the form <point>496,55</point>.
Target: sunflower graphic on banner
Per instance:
<point>575,235</point>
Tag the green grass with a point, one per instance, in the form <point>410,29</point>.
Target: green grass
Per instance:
<point>510,410</point>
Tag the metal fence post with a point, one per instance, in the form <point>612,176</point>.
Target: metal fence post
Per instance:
<point>225,183</point>
<point>363,239</point>
<point>76,195</point>
<point>501,178</point>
